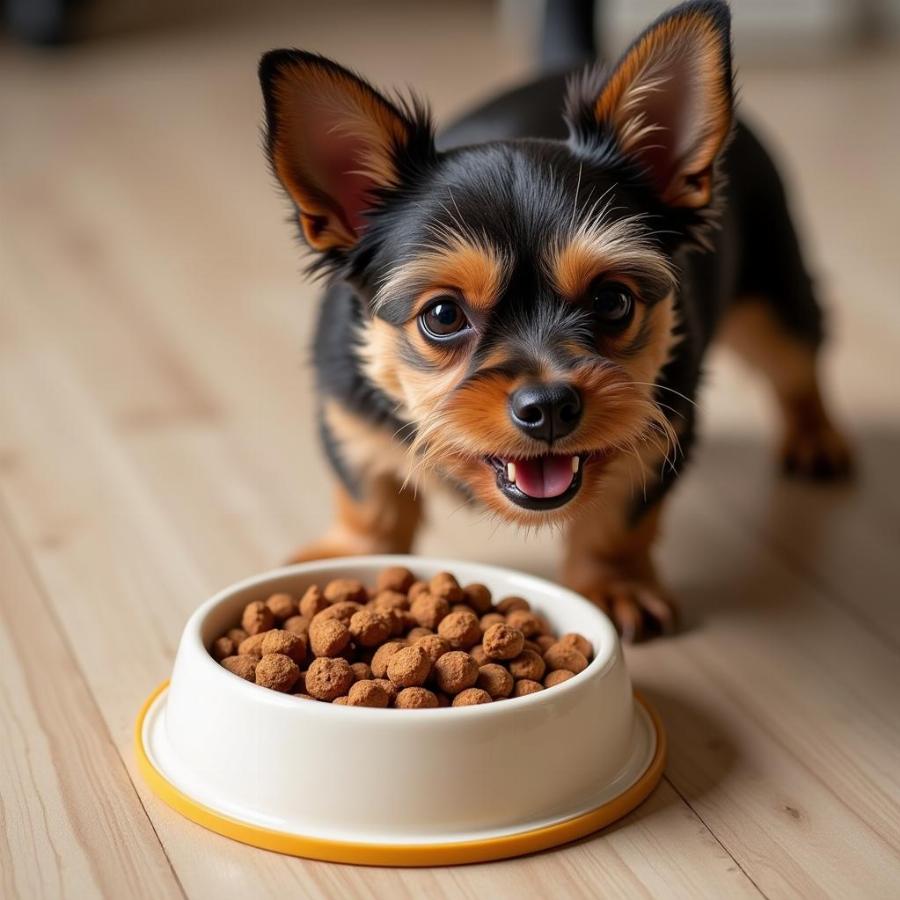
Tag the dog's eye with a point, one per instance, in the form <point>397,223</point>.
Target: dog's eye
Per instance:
<point>613,304</point>
<point>443,318</point>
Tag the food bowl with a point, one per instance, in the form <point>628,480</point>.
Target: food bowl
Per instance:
<point>399,787</point>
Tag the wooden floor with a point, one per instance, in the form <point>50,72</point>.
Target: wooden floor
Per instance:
<point>156,443</point>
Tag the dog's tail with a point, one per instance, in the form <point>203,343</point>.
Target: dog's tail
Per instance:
<point>568,37</point>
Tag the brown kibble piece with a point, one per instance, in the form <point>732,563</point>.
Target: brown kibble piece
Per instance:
<point>503,642</point>
<point>545,642</point>
<point>328,637</point>
<point>342,611</point>
<point>418,632</point>
<point>388,685</point>
<point>526,686</point>
<point>409,667</point>
<point>526,621</point>
<point>297,625</point>
<point>455,671</point>
<point>494,679</point>
<point>370,627</point>
<point>564,656</point>
<point>527,665</point>
<point>340,701</point>
<point>242,666</point>
<point>491,618</point>
<point>257,617</point>
<point>557,676</point>
<point>417,588</point>
<point>368,693</point>
<point>445,586</point>
<point>361,671</point>
<point>285,642</point>
<point>221,648</point>
<point>382,656</point>
<point>327,679</point>
<point>342,590</point>
<point>395,578</point>
<point>416,698</point>
<point>428,610</point>
<point>579,642</point>
<point>471,697</point>
<point>477,653</point>
<point>252,646</point>
<point>283,606</point>
<point>434,645</point>
<point>237,635</point>
<point>460,630</point>
<point>508,604</point>
<point>277,672</point>
<point>312,602</point>
<point>390,600</point>
<point>478,597</point>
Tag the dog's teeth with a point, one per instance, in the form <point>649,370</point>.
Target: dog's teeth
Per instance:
<point>511,473</point>
<point>576,462</point>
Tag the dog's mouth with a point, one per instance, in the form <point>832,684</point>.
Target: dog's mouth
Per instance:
<point>541,482</point>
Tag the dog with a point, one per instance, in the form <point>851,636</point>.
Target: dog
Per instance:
<point>522,308</point>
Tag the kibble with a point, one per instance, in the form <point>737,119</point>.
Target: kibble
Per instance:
<point>242,666</point>
<point>284,642</point>
<point>472,697</point>
<point>394,578</point>
<point>503,642</point>
<point>409,667</point>
<point>328,679</point>
<point>282,606</point>
<point>403,643</point>
<point>528,665</point>
<point>277,671</point>
<point>416,698</point>
<point>328,637</point>
<point>495,679</point>
<point>455,671</point>
<point>460,629</point>
<point>257,617</point>
<point>564,656</point>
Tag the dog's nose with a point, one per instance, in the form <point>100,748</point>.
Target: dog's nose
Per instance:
<point>546,412</point>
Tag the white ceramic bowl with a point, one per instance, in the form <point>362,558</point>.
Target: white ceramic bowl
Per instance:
<point>387,776</point>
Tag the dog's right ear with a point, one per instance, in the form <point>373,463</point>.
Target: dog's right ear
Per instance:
<point>337,145</point>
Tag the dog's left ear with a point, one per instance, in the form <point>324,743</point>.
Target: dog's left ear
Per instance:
<point>337,145</point>
<point>668,104</point>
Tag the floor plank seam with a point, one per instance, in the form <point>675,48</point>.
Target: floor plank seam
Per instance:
<point>714,836</point>
<point>6,517</point>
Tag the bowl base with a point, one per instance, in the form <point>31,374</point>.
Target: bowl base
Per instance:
<point>611,802</point>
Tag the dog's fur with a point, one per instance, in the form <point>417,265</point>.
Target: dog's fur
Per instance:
<point>538,219</point>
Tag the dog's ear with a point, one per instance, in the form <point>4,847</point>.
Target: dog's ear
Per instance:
<point>667,106</point>
<point>336,144</point>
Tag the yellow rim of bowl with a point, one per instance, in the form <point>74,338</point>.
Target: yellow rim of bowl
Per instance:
<point>440,854</point>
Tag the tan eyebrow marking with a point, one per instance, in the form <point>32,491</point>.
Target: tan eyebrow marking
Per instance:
<point>594,246</point>
<point>476,268</point>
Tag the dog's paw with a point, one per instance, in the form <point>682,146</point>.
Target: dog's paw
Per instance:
<point>639,609</point>
<point>326,548</point>
<point>820,453</point>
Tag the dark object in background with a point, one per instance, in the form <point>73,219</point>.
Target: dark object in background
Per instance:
<point>42,22</point>
<point>567,38</point>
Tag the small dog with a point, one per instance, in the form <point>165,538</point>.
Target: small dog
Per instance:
<point>522,310</point>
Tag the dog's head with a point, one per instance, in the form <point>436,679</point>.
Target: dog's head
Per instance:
<point>518,295</point>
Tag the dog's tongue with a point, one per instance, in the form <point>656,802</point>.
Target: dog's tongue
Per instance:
<point>544,476</point>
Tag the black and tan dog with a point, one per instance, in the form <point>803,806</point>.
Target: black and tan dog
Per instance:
<point>522,311</point>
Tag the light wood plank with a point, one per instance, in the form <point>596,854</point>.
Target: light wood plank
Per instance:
<point>71,824</point>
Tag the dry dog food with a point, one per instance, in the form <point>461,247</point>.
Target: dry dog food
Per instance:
<point>405,643</point>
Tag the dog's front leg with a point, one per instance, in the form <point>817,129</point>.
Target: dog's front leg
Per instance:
<point>608,561</point>
<point>383,518</point>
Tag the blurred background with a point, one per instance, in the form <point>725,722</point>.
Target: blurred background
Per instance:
<point>150,279</point>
